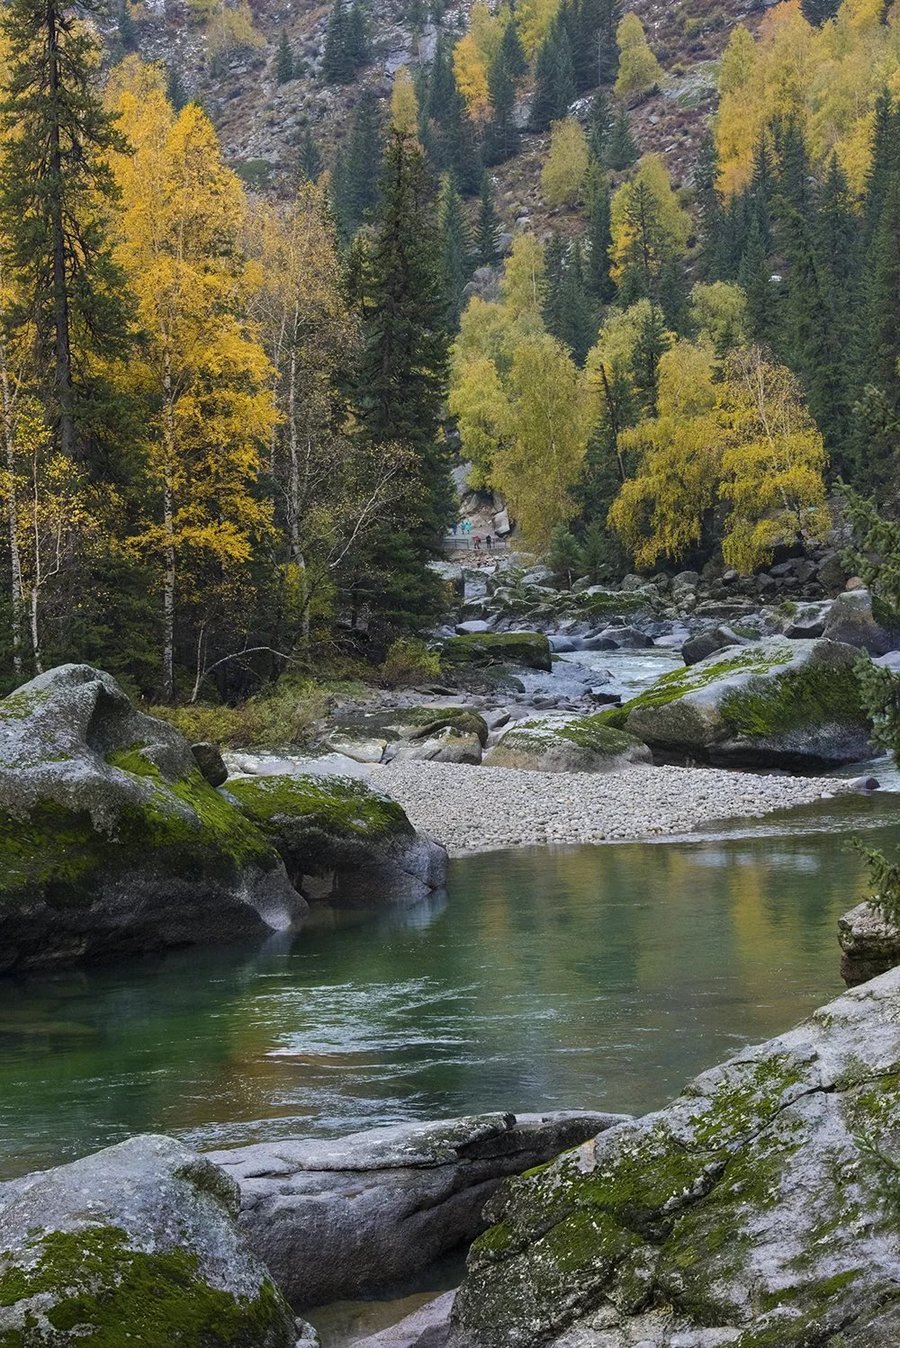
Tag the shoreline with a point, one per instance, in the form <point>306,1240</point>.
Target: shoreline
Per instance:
<point>483,809</point>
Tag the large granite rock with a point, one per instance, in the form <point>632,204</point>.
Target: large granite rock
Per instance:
<point>851,619</point>
<point>340,840</point>
<point>111,838</point>
<point>340,1219</point>
<point>870,943</point>
<point>703,644</point>
<point>759,1210</point>
<point>567,744</point>
<point>528,649</point>
<point>136,1245</point>
<point>779,703</point>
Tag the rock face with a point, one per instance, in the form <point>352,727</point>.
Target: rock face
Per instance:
<point>567,744</point>
<point>136,1244</point>
<point>343,1218</point>
<point>529,649</point>
<point>773,703</point>
<point>759,1210</point>
<point>111,839</point>
<point>851,620</point>
<point>870,944</point>
<point>340,840</point>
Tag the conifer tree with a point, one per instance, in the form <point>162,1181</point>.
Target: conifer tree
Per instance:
<point>599,239</point>
<point>652,343</point>
<point>175,90</point>
<point>621,151</point>
<point>456,247</point>
<point>346,42</point>
<point>818,12</point>
<point>487,235</point>
<point>127,28</point>
<point>608,20</point>
<point>356,170</point>
<point>554,81</point>
<point>885,162</point>
<point>56,192</point>
<point>510,52</point>
<point>577,318</point>
<point>879,431</point>
<point>284,60</point>
<point>502,136</point>
<point>811,334</point>
<point>554,268</point>
<point>754,276</point>
<point>357,36</point>
<point>400,387</point>
<point>309,161</point>
<point>599,126</point>
<point>454,140</point>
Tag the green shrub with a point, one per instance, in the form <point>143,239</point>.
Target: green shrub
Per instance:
<point>409,661</point>
<point>885,879</point>
<point>286,714</point>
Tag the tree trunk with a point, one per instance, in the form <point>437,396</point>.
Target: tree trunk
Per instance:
<point>62,355</point>
<point>12,512</point>
<point>169,532</point>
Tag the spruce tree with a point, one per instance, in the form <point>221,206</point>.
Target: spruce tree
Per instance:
<point>457,257</point>
<point>599,126</point>
<point>652,343</point>
<point>885,162</point>
<point>511,53</point>
<point>554,81</point>
<point>309,161</point>
<point>599,238</point>
<point>754,276</point>
<point>577,326</point>
<point>401,385</point>
<point>356,169</point>
<point>175,90</point>
<point>128,37</point>
<point>337,62</point>
<point>284,60</point>
<point>882,325</point>
<point>554,269</point>
<point>502,136</point>
<point>487,234</point>
<point>358,52</point>
<point>609,16</point>
<point>818,12</point>
<point>56,196</point>
<point>621,151</point>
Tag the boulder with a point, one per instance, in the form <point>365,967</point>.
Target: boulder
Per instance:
<point>360,750</point>
<point>808,621</point>
<point>772,703</point>
<point>472,626</point>
<point>624,637</point>
<point>529,649</point>
<point>567,744</point>
<point>343,1218</point>
<point>684,583</point>
<point>706,643</point>
<point>757,1209</point>
<point>338,830</point>
<point>137,1244</point>
<point>209,760</point>
<point>427,1327</point>
<point>852,621</point>
<point>447,745</point>
<point>869,941</point>
<point>112,840</point>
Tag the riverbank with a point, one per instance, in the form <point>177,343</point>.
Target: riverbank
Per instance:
<point>478,809</point>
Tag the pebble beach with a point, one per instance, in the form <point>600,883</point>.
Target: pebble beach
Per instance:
<point>482,808</point>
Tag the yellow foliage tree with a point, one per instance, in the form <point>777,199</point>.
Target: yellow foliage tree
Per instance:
<point>522,286</point>
<point>471,78</point>
<point>535,18</point>
<point>649,226</point>
<point>404,105</point>
<point>201,369</point>
<point>639,70</point>
<point>719,314</point>
<point>563,174</point>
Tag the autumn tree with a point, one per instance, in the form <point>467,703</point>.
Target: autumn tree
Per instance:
<point>563,174</point>
<point>639,71</point>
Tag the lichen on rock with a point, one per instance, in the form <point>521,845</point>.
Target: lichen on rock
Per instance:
<point>567,744</point>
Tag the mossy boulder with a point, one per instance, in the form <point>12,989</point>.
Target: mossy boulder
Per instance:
<point>531,650</point>
<point>111,839</point>
<point>567,744</point>
<point>392,724</point>
<point>778,703</point>
<point>760,1210</point>
<point>137,1245</point>
<point>869,941</point>
<point>340,840</point>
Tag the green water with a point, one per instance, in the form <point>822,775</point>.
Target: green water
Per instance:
<point>579,977</point>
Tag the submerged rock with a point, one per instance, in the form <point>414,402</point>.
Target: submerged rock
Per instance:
<point>341,840</point>
<point>870,944</point>
<point>111,838</point>
<point>772,703</point>
<point>567,744</point>
<point>759,1210</point>
<point>342,1218</point>
<point>137,1244</point>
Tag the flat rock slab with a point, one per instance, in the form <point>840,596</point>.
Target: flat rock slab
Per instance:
<point>344,1218</point>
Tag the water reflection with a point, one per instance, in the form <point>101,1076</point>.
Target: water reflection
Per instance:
<point>591,977</point>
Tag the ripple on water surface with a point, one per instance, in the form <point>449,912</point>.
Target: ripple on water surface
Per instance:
<point>592,977</point>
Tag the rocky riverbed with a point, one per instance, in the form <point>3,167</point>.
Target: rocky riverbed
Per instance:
<point>466,808</point>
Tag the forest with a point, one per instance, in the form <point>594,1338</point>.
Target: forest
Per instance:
<point>229,416</point>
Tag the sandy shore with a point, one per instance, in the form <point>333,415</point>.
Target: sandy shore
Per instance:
<point>478,808</point>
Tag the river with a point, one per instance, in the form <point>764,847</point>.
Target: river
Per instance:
<point>595,977</point>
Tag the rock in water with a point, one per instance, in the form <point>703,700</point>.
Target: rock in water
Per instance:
<point>339,1219</point>
<point>529,649</point>
<point>340,840</point>
<point>111,839</point>
<point>136,1245</point>
<point>760,1210</point>
<point>852,620</point>
<point>773,703</point>
<point>870,944</point>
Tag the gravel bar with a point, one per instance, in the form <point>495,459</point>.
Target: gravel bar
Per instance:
<point>477,808</point>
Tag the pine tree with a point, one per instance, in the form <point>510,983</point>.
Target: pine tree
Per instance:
<point>401,384</point>
<point>309,161</point>
<point>577,328</point>
<point>510,52</point>
<point>754,276</point>
<point>358,52</point>
<point>609,18</point>
<point>599,239</point>
<point>554,264</point>
<point>456,247</point>
<point>337,61</point>
<point>502,136</point>
<point>818,12</point>
<point>554,81</point>
<point>599,126</point>
<point>651,344</point>
<point>128,36</point>
<point>487,234</point>
<point>621,151</point>
<point>56,193</point>
<point>880,428</point>
<point>356,170</point>
<point>175,90</point>
<point>284,60</point>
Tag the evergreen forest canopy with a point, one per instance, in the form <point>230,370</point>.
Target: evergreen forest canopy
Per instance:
<point>225,418</point>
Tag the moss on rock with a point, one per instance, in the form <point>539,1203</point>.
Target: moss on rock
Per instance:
<point>530,649</point>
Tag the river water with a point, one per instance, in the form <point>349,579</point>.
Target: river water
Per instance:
<point>592,977</point>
